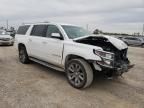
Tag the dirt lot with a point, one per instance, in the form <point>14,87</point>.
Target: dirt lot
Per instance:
<point>35,86</point>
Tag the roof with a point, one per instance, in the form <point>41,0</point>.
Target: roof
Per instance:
<point>49,23</point>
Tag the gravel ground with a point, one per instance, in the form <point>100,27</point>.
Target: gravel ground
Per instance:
<point>36,86</point>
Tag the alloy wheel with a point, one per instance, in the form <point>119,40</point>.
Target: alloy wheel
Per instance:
<point>76,74</point>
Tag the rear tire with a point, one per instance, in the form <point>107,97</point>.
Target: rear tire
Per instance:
<point>79,73</point>
<point>23,56</point>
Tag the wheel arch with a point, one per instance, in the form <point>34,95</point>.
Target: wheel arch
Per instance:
<point>73,56</point>
<point>21,44</point>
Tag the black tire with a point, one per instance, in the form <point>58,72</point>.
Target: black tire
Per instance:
<point>142,45</point>
<point>79,73</point>
<point>23,56</point>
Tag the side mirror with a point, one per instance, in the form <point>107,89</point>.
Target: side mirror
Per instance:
<point>56,35</point>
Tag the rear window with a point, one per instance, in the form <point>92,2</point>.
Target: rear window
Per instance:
<point>39,30</point>
<point>23,29</point>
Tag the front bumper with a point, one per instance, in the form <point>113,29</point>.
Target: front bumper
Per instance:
<point>116,70</point>
<point>10,42</point>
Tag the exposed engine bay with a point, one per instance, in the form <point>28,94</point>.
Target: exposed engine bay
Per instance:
<point>120,56</point>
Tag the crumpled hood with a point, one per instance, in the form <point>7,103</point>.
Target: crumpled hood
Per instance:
<point>119,44</point>
<point>6,36</point>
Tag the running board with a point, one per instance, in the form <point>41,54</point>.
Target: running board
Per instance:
<point>46,64</point>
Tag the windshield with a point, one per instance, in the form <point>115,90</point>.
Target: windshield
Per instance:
<point>74,31</point>
<point>3,33</point>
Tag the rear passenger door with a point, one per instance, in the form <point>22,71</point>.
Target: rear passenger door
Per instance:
<point>36,42</point>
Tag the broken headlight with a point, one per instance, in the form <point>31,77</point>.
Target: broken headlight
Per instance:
<point>107,58</point>
<point>103,54</point>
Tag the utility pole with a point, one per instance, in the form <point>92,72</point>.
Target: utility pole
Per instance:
<point>7,24</point>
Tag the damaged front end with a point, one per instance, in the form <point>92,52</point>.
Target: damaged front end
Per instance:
<point>114,60</point>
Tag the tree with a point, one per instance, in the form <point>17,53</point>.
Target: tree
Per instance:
<point>97,31</point>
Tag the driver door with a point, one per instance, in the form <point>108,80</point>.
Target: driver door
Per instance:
<point>53,47</point>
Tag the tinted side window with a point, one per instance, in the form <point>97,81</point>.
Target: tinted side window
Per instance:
<point>23,29</point>
<point>39,30</point>
<point>130,38</point>
<point>137,39</point>
<point>52,29</point>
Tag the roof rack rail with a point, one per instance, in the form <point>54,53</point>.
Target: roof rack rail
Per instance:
<point>35,22</point>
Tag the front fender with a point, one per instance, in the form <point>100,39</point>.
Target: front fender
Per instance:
<point>81,50</point>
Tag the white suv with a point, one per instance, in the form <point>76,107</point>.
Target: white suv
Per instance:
<point>73,50</point>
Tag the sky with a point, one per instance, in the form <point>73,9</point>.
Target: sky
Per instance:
<point>122,16</point>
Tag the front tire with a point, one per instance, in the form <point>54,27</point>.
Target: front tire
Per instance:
<point>79,73</point>
<point>23,56</point>
<point>142,45</point>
